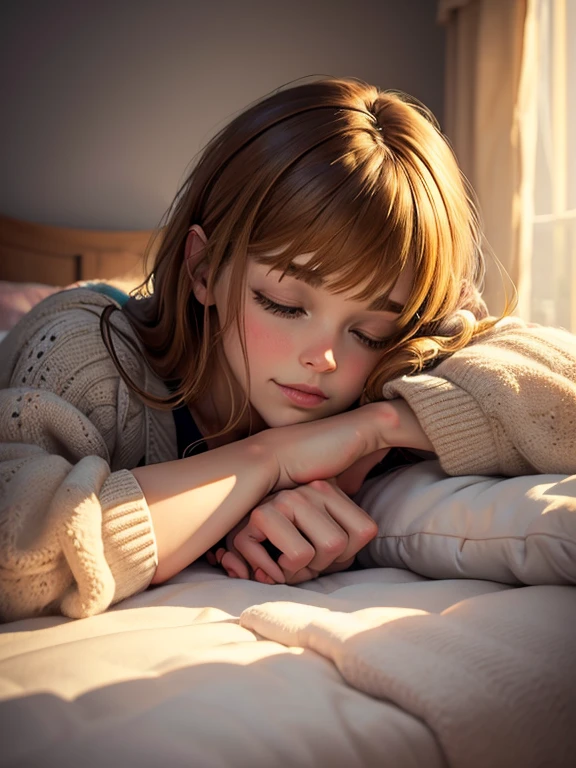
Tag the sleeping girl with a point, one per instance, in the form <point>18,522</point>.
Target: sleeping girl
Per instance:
<point>317,269</point>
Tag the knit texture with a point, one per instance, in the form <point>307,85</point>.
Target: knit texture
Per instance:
<point>505,405</point>
<point>76,534</point>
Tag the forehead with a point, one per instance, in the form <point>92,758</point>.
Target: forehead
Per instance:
<point>394,302</point>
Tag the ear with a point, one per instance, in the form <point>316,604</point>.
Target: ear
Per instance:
<point>193,254</point>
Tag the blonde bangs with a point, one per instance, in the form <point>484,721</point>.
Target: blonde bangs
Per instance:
<point>359,178</point>
<point>356,220</point>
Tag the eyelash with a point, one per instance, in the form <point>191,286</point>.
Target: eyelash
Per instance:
<point>291,313</point>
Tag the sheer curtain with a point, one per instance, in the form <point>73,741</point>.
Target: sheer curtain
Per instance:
<point>511,117</point>
<point>484,115</point>
<point>552,255</point>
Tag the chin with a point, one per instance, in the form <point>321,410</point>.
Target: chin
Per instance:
<point>283,420</point>
<point>288,418</point>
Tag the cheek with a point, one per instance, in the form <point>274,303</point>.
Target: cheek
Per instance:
<point>358,367</point>
<point>266,341</point>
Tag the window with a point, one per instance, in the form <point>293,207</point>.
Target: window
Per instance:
<point>552,284</point>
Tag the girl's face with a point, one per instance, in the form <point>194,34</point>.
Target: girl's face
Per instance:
<point>309,351</point>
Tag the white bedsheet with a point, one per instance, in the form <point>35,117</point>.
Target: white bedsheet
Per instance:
<point>173,677</point>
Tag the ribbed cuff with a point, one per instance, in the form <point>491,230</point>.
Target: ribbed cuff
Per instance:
<point>128,534</point>
<point>453,422</point>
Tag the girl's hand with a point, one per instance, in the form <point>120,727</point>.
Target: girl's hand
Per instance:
<point>344,447</point>
<point>316,527</point>
<point>327,448</point>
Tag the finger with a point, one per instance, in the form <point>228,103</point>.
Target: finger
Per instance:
<point>304,574</point>
<point>238,563</point>
<point>294,530</point>
<point>267,522</point>
<point>249,543</point>
<point>327,538</point>
<point>239,542</point>
<point>262,577</point>
<point>255,554</point>
<point>336,567</point>
<point>308,534</point>
<point>235,566</point>
<point>309,507</point>
<point>358,526</point>
<point>307,574</point>
<point>350,481</point>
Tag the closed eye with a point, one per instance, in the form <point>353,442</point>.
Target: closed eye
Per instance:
<point>372,343</point>
<point>283,310</point>
<point>277,309</point>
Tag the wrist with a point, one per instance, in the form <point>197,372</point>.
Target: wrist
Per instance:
<point>263,449</point>
<point>383,418</point>
<point>400,426</point>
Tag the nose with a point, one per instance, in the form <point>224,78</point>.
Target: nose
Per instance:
<point>320,359</point>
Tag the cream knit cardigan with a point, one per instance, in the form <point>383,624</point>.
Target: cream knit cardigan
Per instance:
<point>75,531</point>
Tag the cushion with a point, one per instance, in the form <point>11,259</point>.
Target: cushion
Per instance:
<point>519,530</point>
<point>18,298</point>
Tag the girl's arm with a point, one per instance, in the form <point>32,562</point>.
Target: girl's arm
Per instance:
<point>504,405</point>
<point>65,500</point>
<point>194,502</point>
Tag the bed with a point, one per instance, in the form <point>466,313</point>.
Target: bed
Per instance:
<point>37,260</point>
<point>454,646</point>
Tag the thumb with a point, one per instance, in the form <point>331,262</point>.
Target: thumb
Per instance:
<point>350,481</point>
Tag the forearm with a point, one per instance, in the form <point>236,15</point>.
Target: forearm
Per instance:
<point>407,433</point>
<point>194,502</point>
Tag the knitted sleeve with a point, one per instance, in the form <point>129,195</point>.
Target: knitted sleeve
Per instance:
<point>505,405</point>
<point>75,531</point>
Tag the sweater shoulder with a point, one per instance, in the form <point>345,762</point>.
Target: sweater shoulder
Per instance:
<point>528,339</point>
<point>64,329</point>
<point>58,347</point>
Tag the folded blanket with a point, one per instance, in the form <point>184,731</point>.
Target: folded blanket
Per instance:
<point>493,677</point>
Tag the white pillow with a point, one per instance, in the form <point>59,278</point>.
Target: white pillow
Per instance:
<point>519,530</point>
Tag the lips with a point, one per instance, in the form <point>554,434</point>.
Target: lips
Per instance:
<point>305,388</point>
<point>302,396</point>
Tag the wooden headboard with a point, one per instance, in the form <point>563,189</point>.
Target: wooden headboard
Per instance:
<point>60,256</point>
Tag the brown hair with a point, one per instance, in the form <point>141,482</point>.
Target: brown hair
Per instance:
<point>362,178</point>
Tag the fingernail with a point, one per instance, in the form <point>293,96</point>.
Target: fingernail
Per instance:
<point>232,574</point>
<point>263,577</point>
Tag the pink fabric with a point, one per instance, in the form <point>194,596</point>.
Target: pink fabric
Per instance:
<point>18,298</point>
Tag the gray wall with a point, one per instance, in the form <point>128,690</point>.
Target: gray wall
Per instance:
<point>106,103</point>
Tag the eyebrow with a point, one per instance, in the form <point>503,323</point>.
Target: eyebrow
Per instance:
<point>381,304</point>
<point>307,276</point>
<point>384,304</point>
